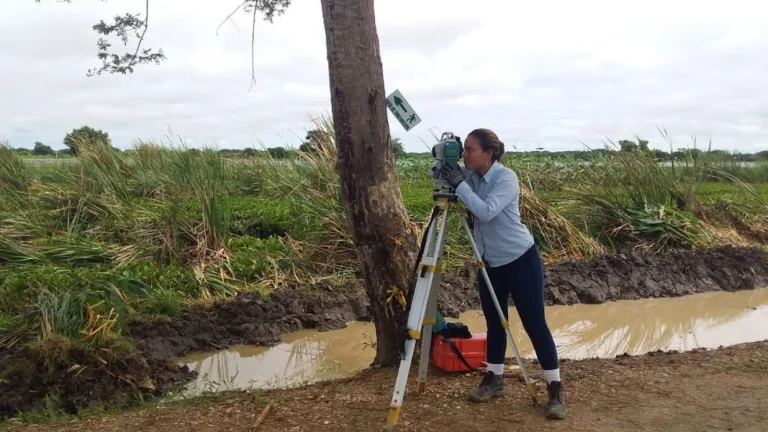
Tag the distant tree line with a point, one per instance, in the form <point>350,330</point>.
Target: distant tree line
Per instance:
<point>71,141</point>
<point>315,139</point>
<point>313,142</point>
<point>40,149</point>
<point>641,146</point>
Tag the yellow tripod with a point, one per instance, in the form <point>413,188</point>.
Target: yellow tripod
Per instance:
<point>423,305</point>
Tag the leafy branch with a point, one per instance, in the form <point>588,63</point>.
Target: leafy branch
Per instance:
<point>122,26</point>
<point>131,26</point>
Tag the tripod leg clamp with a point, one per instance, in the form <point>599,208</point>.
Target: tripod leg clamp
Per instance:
<point>430,268</point>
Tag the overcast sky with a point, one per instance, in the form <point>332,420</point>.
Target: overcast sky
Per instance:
<point>549,74</point>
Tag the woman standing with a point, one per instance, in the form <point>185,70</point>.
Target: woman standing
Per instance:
<point>491,192</point>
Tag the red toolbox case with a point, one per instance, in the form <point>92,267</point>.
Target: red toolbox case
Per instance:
<point>473,350</point>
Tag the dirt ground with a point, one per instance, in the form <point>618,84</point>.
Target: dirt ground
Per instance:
<point>704,390</point>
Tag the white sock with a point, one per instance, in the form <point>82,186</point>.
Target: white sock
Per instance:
<point>552,375</point>
<point>498,369</point>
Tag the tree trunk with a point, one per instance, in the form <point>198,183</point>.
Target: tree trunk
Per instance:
<point>384,238</point>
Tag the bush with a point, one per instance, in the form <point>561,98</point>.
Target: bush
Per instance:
<point>85,134</point>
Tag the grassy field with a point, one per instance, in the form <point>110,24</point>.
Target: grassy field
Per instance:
<point>144,233</point>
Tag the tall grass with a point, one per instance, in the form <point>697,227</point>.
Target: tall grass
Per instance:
<point>645,202</point>
<point>91,313</point>
<point>555,236</point>
<point>313,187</point>
<point>109,211</point>
<point>103,171</point>
<point>544,175</point>
<point>203,175</point>
<point>61,314</point>
<point>14,176</point>
<point>149,166</point>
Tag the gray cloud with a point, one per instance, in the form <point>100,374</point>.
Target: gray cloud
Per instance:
<point>550,75</point>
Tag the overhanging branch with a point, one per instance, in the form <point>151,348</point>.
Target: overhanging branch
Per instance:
<point>141,39</point>
<point>124,26</point>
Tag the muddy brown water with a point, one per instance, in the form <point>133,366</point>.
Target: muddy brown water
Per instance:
<point>580,331</point>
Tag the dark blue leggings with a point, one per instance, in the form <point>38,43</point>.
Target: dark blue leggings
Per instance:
<point>523,279</point>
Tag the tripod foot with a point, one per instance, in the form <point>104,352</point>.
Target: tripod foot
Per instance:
<point>393,417</point>
<point>532,391</point>
<point>422,387</point>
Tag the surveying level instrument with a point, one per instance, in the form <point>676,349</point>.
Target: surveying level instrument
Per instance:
<point>447,151</point>
<point>423,301</point>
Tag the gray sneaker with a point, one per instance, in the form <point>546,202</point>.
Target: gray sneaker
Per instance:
<point>492,386</point>
<point>555,405</point>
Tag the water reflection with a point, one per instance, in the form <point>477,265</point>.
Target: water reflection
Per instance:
<point>580,331</point>
<point>639,326</point>
<point>303,357</point>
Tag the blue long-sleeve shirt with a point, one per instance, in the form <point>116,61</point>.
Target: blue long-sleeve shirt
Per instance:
<point>493,200</point>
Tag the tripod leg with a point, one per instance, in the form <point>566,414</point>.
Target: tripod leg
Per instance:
<point>429,321</point>
<point>529,385</point>
<point>427,271</point>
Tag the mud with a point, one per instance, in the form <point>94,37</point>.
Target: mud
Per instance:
<point>632,275</point>
<point>250,319</point>
<point>78,378</point>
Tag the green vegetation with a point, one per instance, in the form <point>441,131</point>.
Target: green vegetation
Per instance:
<point>84,133</point>
<point>142,234</point>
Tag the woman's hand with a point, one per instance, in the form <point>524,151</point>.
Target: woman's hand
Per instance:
<point>454,176</point>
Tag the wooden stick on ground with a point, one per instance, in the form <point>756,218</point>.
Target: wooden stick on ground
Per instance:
<point>261,417</point>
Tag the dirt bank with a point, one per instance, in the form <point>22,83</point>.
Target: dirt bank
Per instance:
<point>720,390</point>
<point>250,319</point>
<point>77,377</point>
<point>632,275</point>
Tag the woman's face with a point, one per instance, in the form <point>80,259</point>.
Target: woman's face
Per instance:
<point>474,155</point>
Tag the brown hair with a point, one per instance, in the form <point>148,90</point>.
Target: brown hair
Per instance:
<point>489,141</point>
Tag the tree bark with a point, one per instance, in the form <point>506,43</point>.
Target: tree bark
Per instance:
<point>385,240</point>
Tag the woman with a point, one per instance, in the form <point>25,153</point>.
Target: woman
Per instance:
<point>490,191</point>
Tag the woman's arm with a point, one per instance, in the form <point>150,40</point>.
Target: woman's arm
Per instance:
<point>504,191</point>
